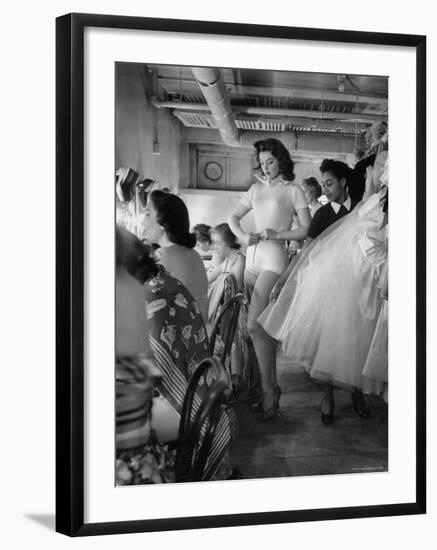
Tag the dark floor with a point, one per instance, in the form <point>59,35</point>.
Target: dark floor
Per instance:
<point>296,443</point>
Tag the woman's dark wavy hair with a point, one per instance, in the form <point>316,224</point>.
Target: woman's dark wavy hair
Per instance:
<point>280,152</point>
<point>172,215</point>
<point>134,256</point>
<point>226,234</point>
<point>337,168</point>
<point>202,232</point>
<point>313,185</point>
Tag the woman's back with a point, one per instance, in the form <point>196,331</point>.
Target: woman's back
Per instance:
<point>186,265</point>
<point>179,342</point>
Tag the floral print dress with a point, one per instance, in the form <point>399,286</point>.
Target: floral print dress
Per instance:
<point>179,341</point>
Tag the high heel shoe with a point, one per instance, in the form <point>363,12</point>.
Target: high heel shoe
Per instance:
<point>327,418</point>
<point>272,411</point>
<point>256,406</point>
<point>277,396</point>
<point>359,404</point>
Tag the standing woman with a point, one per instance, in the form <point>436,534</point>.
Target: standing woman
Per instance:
<point>275,199</point>
<point>166,223</point>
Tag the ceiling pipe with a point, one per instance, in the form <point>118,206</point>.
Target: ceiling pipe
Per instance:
<point>213,88</point>
<point>273,111</point>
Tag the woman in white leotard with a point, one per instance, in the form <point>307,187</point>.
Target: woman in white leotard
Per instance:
<point>275,199</point>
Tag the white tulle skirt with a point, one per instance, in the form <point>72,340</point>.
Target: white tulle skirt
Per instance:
<point>327,313</point>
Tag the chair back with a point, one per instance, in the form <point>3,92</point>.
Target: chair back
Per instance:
<point>230,288</point>
<point>225,326</point>
<point>197,428</point>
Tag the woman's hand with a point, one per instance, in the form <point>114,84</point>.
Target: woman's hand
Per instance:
<point>269,235</point>
<point>250,239</point>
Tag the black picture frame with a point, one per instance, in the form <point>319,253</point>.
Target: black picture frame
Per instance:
<point>70,273</point>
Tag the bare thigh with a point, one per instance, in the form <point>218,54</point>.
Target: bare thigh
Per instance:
<point>249,282</point>
<point>263,285</point>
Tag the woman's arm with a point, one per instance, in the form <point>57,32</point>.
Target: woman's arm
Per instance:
<point>212,275</point>
<point>234,223</point>
<point>237,270</point>
<point>298,234</point>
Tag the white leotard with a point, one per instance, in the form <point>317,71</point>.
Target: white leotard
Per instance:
<point>274,207</point>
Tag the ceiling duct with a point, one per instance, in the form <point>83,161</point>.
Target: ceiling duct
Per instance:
<point>212,85</point>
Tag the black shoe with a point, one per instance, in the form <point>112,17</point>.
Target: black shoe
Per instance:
<point>327,418</point>
<point>269,414</point>
<point>359,404</point>
<point>256,407</point>
<point>277,395</point>
<point>272,411</point>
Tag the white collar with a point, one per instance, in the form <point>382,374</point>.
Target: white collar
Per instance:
<point>276,183</point>
<point>347,204</point>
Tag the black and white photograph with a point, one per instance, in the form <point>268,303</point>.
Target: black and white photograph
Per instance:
<point>251,276</point>
<point>216,203</point>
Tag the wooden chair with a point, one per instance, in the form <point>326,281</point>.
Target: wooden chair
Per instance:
<point>197,429</point>
<point>225,326</point>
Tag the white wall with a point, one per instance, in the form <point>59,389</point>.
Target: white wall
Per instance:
<point>27,299</point>
<point>213,207</point>
<point>135,129</point>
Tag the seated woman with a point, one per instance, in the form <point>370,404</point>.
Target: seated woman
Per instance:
<point>203,246</point>
<point>312,191</point>
<point>166,223</point>
<point>203,240</point>
<point>227,247</point>
<point>140,459</point>
<point>225,281</point>
<point>178,341</point>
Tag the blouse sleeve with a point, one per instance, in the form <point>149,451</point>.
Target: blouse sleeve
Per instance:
<point>247,199</point>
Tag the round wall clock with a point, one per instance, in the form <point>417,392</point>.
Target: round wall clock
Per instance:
<point>213,171</point>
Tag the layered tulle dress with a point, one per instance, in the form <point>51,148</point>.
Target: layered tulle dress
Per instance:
<point>330,316</point>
